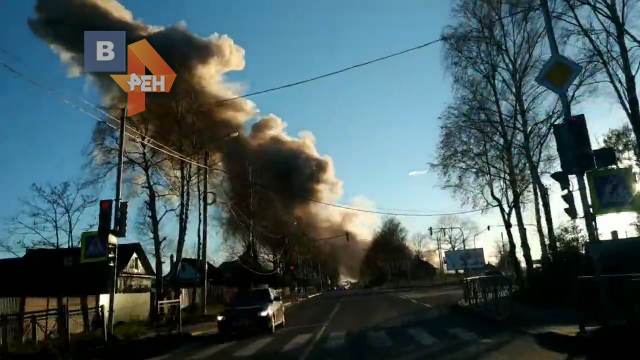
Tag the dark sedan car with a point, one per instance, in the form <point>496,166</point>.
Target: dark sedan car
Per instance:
<point>260,309</point>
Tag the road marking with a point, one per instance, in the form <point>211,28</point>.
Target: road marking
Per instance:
<point>422,336</point>
<point>297,341</point>
<point>378,339</point>
<point>336,339</point>
<point>177,353</point>
<point>307,351</point>
<point>253,347</point>
<point>463,334</point>
<point>212,350</point>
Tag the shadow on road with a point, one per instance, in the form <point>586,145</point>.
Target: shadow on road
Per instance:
<point>602,343</point>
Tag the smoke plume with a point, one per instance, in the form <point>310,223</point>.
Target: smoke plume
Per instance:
<point>288,171</point>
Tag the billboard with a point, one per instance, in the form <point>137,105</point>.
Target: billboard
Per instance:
<point>464,259</point>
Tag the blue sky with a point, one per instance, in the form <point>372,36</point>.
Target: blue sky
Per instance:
<point>378,123</point>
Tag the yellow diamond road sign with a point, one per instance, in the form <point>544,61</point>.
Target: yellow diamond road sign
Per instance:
<point>558,73</point>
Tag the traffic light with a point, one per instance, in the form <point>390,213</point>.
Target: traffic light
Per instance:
<point>574,146</point>
<point>488,227</point>
<point>122,219</point>
<point>430,231</point>
<point>104,220</point>
<point>565,184</point>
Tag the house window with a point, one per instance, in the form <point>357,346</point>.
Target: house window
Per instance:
<point>136,264</point>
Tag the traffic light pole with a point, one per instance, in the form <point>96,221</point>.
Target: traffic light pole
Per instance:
<point>589,219</point>
<point>566,110</point>
<point>114,280</point>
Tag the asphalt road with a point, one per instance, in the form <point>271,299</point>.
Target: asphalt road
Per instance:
<point>406,324</point>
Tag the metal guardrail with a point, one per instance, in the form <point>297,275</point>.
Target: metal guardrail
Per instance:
<point>490,294</point>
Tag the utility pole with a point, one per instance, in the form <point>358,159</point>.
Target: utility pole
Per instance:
<point>205,206</point>
<point>439,254</point>
<point>114,279</point>
<point>566,107</point>
<point>254,255</point>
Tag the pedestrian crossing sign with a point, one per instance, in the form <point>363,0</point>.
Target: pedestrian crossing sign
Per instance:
<point>91,248</point>
<point>613,190</point>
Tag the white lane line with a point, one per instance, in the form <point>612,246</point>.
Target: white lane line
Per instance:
<point>253,347</point>
<point>378,339</point>
<point>463,334</point>
<point>210,351</point>
<point>422,336</point>
<point>297,341</point>
<point>177,353</point>
<point>307,351</point>
<point>336,339</point>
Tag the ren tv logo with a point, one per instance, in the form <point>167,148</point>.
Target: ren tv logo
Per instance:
<point>104,51</point>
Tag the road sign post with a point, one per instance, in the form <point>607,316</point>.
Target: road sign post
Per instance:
<point>557,75</point>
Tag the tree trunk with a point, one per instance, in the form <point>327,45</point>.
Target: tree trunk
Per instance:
<point>548,217</point>
<point>513,257</point>
<point>543,198</point>
<point>629,79</point>
<point>543,246</point>
<point>183,216</point>
<point>154,223</point>
<point>517,207</point>
<point>70,233</point>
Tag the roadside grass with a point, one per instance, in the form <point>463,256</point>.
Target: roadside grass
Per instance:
<point>132,329</point>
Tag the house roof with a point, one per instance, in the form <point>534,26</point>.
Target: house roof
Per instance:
<point>212,272</point>
<point>59,272</point>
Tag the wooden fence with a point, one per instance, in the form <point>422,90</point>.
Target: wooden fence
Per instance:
<point>36,326</point>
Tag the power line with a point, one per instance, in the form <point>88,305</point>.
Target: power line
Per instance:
<point>365,63</point>
<point>332,73</point>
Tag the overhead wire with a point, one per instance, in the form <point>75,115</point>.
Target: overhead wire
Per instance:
<point>361,64</point>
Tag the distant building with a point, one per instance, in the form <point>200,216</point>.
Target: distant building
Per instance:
<point>189,278</point>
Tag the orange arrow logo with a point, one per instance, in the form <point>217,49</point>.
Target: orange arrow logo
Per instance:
<point>136,83</point>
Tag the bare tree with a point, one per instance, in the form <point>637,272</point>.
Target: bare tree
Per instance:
<point>607,33</point>
<point>456,231</point>
<point>419,242</point>
<point>51,214</point>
